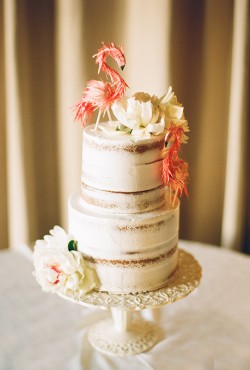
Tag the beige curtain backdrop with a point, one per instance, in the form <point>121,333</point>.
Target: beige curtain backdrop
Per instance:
<point>200,47</point>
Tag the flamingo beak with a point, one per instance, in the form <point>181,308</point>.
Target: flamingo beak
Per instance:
<point>122,67</point>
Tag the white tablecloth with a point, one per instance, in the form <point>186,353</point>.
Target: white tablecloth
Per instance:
<point>209,329</point>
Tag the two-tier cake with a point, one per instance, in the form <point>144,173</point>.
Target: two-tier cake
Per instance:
<point>123,225</point>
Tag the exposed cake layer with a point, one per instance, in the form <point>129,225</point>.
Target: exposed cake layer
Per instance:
<point>132,252</point>
<point>118,202</point>
<point>120,164</point>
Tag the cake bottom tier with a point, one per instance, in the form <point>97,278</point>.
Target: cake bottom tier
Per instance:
<point>130,253</point>
<point>138,276</point>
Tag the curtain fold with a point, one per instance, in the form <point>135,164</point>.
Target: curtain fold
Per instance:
<point>208,73</point>
<point>70,68</point>
<point>201,48</point>
<point>3,143</point>
<point>144,31</point>
<point>16,212</point>
<point>235,189</point>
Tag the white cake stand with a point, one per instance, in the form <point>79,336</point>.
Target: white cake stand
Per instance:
<point>123,335</point>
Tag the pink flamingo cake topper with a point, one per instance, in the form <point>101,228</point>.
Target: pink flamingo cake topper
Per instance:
<point>102,94</point>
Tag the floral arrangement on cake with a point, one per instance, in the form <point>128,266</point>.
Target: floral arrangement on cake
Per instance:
<point>141,116</point>
<point>60,268</point>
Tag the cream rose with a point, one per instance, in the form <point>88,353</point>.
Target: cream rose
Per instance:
<point>61,269</point>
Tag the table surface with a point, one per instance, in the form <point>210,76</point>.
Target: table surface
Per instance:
<point>209,329</point>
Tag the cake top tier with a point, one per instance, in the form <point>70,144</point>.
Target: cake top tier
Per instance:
<point>142,118</point>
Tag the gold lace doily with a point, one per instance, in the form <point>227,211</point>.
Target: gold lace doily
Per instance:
<point>184,282</point>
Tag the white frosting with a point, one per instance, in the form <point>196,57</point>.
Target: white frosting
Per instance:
<point>132,252</point>
<point>135,279</point>
<point>116,202</point>
<point>120,164</point>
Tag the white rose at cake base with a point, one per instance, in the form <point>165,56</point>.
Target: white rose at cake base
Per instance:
<point>59,268</point>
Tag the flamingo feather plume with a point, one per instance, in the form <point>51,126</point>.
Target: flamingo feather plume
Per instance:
<point>102,94</point>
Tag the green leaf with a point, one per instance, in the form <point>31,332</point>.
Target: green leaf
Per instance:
<point>72,246</point>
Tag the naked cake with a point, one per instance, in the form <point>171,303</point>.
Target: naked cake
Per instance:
<point>124,223</point>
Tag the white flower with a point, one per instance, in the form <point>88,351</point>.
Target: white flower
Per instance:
<point>151,128</point>
<point>139,116</point>
<point>144,115</point>
<point>165,99</point>
<point>60,270</point>
<point>170,106</point>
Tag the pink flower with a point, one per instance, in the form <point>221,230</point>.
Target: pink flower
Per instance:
<point>60,270</point>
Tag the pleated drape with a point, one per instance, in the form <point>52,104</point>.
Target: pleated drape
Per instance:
<point>70,68</point>
<point>236,199</point>
<point>3,141</point>
<point>201,48</point>
<point>16,213</point>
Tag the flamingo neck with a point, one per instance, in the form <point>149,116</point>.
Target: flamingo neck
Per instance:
<point>104,67</point>
<point>114,76</point>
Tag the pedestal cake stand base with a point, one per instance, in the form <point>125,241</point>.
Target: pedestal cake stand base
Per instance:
<point>140,337</point>
<point>124,335</point>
